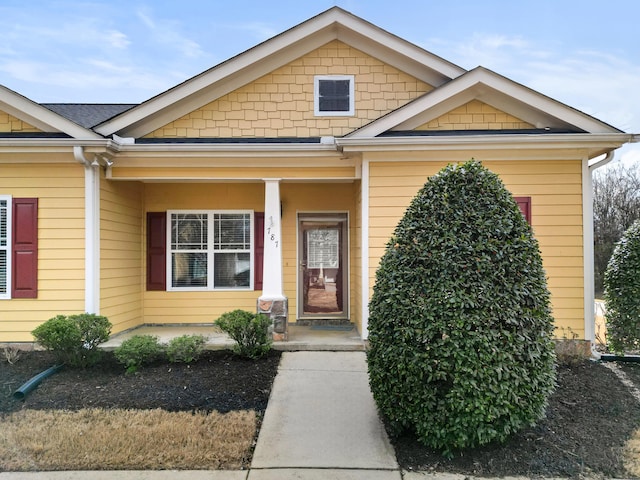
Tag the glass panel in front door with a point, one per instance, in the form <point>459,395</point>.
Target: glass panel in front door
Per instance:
<point>322,268</point>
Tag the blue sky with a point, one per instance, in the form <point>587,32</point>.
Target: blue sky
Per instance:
<point>585,53</point>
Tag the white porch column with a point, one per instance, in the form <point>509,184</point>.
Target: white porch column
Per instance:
<point>272,263</point>
<point>92,231</point>
<point>272,301</point>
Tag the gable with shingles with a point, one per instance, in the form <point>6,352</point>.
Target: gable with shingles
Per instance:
<point>11,124</point>
<point>475,115</point>
<point>280,104</point>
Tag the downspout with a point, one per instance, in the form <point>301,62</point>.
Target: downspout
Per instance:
<point>589,283</point>
<point>92,231</point>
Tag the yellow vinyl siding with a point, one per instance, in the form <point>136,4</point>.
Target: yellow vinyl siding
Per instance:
<point>60,192</point>
<point>121,274</point>
<point>556,195</point>
<point>280,104</point>
<point>475,115</point>
<point>11,124</point>
<point>205,307</point>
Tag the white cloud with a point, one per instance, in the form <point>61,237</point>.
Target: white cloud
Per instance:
<point>117,39</point>
<point>168,34</point>
<point>259,30</point>
<point>598,83</point>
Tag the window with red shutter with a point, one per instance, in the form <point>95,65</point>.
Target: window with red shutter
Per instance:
<point>24,248</point>
<point>156,250</point>
<point>258,249</point>
<point>524,203</point>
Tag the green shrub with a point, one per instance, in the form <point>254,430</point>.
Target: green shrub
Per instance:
<point>249,330</point>
<point>460,330</point>
<point>186,348</point>
<point>622,292</point>
<point>137,351</point>
<point>74,339</point>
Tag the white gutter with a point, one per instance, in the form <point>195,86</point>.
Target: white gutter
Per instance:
<point>92,231</point>
<point>588,247</point>
<point>465,142</point>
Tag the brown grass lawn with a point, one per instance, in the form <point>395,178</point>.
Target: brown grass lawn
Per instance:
<point>116,439</point>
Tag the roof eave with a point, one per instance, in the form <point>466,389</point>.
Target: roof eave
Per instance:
<point>590,141</point>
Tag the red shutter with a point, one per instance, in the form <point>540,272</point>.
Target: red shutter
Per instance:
<point>524,203</point>
<point>258,249</point>
<point>156,251</point>
<point>24,250</point>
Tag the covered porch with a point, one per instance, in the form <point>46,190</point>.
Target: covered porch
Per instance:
<point>300,338</point>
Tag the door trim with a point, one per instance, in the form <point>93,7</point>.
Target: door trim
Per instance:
<point>324,215</point>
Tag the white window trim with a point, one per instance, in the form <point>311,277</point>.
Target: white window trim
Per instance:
<point>210,252</point>
<point>7,294</point>
<point>316,96</point>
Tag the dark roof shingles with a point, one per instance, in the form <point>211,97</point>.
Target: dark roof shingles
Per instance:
<point>88,115</point>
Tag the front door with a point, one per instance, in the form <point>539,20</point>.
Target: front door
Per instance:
<point>323,269</point>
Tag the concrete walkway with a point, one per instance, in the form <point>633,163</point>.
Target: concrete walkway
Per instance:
<point>322,422</point>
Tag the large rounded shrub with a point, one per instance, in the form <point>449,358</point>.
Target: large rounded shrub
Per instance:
<point>460,330</point>
<point>622,292</point>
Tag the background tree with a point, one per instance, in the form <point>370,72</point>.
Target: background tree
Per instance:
<point>616,205</point>
<point>622,292</point>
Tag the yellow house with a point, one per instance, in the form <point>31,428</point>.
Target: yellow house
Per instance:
<point>274,180</point>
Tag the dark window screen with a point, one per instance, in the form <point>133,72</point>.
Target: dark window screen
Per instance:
<point>333,95</point>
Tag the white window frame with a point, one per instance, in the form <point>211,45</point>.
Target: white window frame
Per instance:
<point>7,295</point>
<point>210,251</point>
<point>316,96</point>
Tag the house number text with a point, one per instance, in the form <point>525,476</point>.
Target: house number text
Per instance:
<point>272,236</point>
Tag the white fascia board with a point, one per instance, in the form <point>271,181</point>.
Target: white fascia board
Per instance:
<point>257,150</point>
<point>489,87</point>
<point>40,117</point>
<point>396,51</point>
<point>250,58</point>
<point>588,141</point>
<point>273,53</point>
<point>174,105</point>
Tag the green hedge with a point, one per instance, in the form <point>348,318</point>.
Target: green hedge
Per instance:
<point>460,330</point>
<point>622,293</point>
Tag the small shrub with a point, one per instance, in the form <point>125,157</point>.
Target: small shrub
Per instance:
<point>74,339</point>
<point>249,330</point>
<point>137,351</point>
<point>460,327</point>
<point>622,292</point>
<point>186,348</point>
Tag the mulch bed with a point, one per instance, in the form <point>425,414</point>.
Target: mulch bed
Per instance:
<point>218,381</point>
<point>590,417</point>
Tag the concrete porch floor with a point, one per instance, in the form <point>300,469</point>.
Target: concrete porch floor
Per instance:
<point>300,337</point>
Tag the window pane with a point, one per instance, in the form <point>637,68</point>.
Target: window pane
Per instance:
<point>333,95</point>
<point>232,270</point>
<point>3,223</point>
<point>189,231</point>
<point>189,269</point>
<point>232,231</point>
<point>3,271</point>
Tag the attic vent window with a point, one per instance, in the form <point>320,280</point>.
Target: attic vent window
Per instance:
<point>334,95</point>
